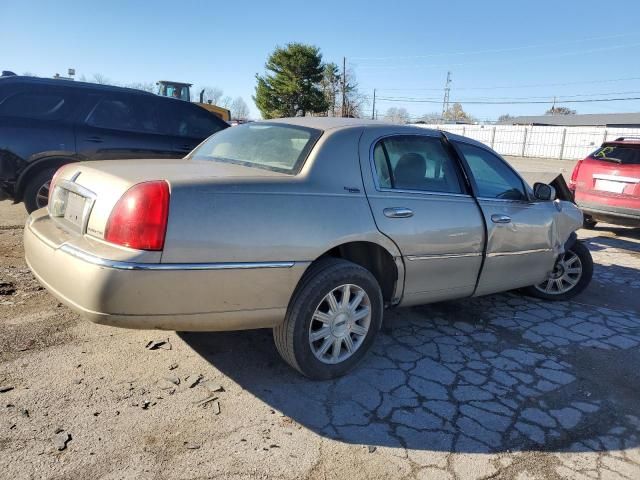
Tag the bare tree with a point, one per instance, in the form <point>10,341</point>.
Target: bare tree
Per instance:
<point>560,111</point>
<point>330,86</point>
<point>101,79</point>
<point>430,118</point>
<point>355,102</point>
<point>456,113</point>
<point>225,102</point>
<point>397,115</point>
<point>506,118</point>
<point>144,86</point>
<point>239,109</point>
<point>211,94</point>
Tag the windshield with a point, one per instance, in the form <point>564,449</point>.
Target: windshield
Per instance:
<point>271,146</point>
<point>617,153</point>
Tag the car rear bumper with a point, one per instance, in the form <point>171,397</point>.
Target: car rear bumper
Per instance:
<point>611,214</point>
<point>186,297</point>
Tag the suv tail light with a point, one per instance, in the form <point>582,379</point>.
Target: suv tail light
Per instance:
<point>574,175</point>
<point>139,219</point>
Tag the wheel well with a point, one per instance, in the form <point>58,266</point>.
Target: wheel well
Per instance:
<point>374,258</point>
<point>36,168</point>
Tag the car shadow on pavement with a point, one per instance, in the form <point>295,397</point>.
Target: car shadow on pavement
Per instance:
<point>497,373</point>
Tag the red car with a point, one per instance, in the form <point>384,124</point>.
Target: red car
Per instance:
<point>606,184</point>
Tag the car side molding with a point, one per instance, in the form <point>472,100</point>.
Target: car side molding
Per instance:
<point>119,265</point>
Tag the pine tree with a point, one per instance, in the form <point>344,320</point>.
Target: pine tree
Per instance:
<point>291,85</point>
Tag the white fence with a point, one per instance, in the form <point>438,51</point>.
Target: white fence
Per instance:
<point>548,142</point>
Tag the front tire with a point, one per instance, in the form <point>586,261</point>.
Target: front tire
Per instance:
<point>570,276</point>
<point>36,193</point>
<point>332,319</point>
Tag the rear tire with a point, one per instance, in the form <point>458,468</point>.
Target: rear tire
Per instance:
<point>570,277</point>
<point>36,193</point>
<point>589,223</point>
<point>332,319</point>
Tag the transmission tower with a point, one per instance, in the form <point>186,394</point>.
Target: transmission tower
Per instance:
<point>447,89</point>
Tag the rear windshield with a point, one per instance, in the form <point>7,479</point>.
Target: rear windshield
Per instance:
<point>272,146</point>
<point>618,154</point>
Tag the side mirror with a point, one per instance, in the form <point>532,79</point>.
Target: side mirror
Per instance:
<point>544,192</point>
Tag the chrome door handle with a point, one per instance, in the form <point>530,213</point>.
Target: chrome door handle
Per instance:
<point>398,212</point>
<point>499,218</point>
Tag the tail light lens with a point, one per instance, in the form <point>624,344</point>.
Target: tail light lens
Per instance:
<point>52,185</point>
<point>139,219</point>
<point>574,175</point>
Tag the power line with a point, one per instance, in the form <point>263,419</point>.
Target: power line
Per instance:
<point>551,55</point>
<point>503,87</point>
<point>482,102</point>
<point>497,50</point>
<point>472,99</point>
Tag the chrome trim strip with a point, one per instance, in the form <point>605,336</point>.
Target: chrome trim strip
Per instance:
<point>616,178</point>
<point>444,255</point>
<point>424,192</point>
<point>521,252</point>
<point>119,265</point>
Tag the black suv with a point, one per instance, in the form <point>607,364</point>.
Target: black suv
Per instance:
<point>46,123</point>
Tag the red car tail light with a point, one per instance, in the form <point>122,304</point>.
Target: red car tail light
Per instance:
<point>574,175</point>
<point>139,219</point>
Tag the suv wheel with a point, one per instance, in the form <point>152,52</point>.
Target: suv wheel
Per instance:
<point>332,319</point>
<point>36,193</point>
<point>570,276</point>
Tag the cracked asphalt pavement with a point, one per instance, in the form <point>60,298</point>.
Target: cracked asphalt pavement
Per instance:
<point>503,386</point>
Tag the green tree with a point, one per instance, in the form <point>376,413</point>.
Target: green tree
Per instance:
<point>291,85</point>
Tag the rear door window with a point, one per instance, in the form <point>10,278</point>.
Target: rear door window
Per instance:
<point>45,105</point>
<point>126,113</point>
<point>415,162</point>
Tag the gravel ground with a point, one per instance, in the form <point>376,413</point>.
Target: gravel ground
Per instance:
<point>502,386</point>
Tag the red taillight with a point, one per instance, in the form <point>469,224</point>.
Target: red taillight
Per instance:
<point>574,175</point>
<point>139,219</point>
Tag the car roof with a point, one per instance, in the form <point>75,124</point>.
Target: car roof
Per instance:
<point>20,79</point>
<point>339,123</point>
<point>327,123</point>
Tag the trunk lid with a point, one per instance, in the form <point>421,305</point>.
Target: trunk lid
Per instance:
<point>85,194</point>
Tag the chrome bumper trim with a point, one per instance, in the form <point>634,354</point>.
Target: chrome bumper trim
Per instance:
<point>118,265</point>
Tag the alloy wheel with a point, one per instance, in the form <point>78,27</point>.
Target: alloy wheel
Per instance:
<point>565,275</point>
<point>340,324</point>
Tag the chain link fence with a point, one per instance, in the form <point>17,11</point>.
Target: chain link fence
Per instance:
<point>568,143</point>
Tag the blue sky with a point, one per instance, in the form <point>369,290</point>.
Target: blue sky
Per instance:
<point>494,49</point>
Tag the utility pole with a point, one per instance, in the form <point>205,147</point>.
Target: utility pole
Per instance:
<point>445,100</point>
<point>373,109</point>
<point>344,86</point>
